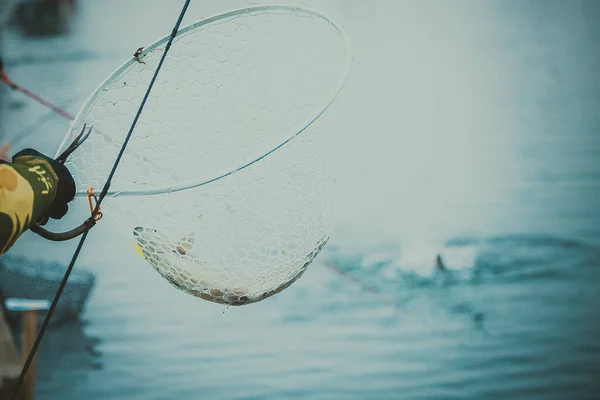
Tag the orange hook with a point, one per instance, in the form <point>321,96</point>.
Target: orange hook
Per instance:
<point>90,194</point>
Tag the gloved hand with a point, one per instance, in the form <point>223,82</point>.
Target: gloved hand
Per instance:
<point>65,185</point>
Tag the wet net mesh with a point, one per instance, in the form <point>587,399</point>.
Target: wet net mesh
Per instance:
<point>232,148</point>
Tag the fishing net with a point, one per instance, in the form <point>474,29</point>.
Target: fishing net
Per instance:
<point>224,187</point>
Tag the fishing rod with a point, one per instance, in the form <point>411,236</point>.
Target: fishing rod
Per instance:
<point>96,210</point>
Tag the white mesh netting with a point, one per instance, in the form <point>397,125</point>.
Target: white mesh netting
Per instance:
<point>217,154</point>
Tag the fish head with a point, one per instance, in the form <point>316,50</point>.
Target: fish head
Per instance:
<point>150,243</point>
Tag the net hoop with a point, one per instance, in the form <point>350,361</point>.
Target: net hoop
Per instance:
<point>89,103</point>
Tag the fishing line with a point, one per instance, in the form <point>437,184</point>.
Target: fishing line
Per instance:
<point>4,78</point>
<point>32,128</point>
<point>63,283</point>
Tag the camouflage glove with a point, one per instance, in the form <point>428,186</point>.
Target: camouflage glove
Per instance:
<point>60,182</point>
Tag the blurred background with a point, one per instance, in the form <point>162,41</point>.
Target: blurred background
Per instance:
<point>468,133</point>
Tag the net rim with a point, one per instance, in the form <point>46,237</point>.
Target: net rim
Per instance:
<point>343,77</point>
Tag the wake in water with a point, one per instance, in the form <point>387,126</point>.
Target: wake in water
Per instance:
<point>454,274</point>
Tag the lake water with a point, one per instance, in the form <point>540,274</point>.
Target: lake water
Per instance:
<point>468,128</point>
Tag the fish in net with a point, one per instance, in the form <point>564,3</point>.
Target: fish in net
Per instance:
<point>225,185</point>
